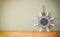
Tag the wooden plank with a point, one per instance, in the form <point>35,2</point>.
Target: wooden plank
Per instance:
<point>29,34</point>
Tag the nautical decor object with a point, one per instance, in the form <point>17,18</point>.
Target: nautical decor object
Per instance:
<point>44,21</point>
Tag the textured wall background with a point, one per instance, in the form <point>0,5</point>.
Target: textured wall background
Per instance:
<point>17,15</point>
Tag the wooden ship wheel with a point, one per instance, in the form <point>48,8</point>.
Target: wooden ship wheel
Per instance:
<point>44,21</point>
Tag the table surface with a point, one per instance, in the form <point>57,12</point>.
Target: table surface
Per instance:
<point>29,34</point>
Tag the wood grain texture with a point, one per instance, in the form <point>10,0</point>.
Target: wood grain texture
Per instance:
<point>29,34</point>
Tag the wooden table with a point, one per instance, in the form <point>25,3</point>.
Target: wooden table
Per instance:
<point>29,34</point>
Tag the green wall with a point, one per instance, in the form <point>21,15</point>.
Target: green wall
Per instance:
<point>17,15</point>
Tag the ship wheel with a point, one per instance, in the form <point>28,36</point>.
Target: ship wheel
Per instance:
<point>44,21</point>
